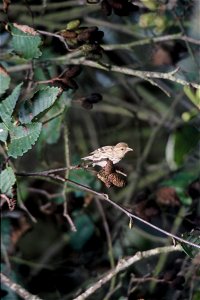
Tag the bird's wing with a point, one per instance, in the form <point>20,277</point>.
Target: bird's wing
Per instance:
<point>100,153</point>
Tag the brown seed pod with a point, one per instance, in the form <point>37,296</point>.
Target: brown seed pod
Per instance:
<point>106,8</point>
<point>67,34</point>
<point>104,178</point>
<point>94,98</point>
<point>84,36</point>
<point>117,4</point>
<point>109,167</point>
<point>73,71</point>
<point>86,104</point>
<point>116,180</point>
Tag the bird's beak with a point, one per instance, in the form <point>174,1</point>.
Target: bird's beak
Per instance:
<point>129,149</point>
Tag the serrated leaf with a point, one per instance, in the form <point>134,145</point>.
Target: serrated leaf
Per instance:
<point>7,180</point>
<point>26,41</point>
<point>194,237</point>
<point>7,106</point>
<point>4,80</point>
<point>40,102</point>
<point>23,138</point>
<point>3,132</point>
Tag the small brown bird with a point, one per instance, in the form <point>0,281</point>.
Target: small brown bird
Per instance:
<point>115,153</point>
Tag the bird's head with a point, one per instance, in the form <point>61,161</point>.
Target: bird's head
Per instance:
<point>121,149</point>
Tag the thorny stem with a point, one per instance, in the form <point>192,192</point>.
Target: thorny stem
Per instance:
<point>107,199</point>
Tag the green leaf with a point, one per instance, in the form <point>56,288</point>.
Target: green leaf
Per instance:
<point>25,41</point>
<point>42,100</point>
<point>194,237</point>
<point>180,144</point>
<point>23,138</point>
<point>3,132</point>
<point>4,80</point>
<point>7,106</point>
<point>7,180</point>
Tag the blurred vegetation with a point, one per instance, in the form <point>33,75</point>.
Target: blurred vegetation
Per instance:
<point>66,91</point>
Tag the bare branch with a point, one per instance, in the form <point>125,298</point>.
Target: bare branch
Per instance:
<point>107,199</point>
<point>18,289</point>
<point>123,265</point>
<point>128,71</point>
<point>170,37</point>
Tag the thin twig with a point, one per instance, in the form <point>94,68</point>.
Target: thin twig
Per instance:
<point>123,265</point>
<point>61,38</point>
<point>18,289</point>
<point>23,207</point>
<point>107,199</point>
<point>129,46</point>
<point>145,75</point>
<point>67,161</point>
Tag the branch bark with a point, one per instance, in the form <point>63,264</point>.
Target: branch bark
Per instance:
<point>18,289</point>
<point>123,265</point>
<point>107,199</point>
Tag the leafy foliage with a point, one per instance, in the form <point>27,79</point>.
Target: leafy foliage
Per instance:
<point>4,79</point>
<point>7,180</point>
<point>42,100</point>
<point>7,106</point>
<point>22,138</point>
<point>194,237</point>
<point>3,132</point>
<point>25,41</point>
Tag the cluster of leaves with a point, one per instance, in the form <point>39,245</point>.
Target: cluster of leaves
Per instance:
<point>20,132</point>
<point>21,119</point>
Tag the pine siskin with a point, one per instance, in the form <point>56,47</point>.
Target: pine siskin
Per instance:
<point>115,153</point>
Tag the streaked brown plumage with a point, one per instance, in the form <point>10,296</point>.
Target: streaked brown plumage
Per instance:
<point>115,153</point>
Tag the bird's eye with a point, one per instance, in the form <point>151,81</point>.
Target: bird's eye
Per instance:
<point>122,148</point>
